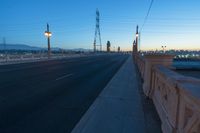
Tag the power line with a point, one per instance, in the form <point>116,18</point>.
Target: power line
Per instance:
<point>145,19</point>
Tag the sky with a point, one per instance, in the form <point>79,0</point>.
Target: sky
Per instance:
<point>171,23</point>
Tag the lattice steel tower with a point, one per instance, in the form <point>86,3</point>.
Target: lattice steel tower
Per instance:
<point>97,32</point>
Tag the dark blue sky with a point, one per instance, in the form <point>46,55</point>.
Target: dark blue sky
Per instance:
<point>174,23</point>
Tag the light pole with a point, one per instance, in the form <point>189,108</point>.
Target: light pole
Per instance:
<point>137,36</point>
<point>48,34</point>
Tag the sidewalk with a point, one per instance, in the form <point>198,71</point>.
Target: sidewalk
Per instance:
<point>119,108</point>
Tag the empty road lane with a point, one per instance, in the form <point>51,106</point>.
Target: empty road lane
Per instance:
<point>51,96</point>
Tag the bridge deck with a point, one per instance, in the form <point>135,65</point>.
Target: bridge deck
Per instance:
<point>120,107</point>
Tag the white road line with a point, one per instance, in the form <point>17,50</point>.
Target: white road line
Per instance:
<point>65,76</point>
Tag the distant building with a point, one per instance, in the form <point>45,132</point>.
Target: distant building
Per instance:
<point>118,49</point>
<point>108,46</point>
<point>134,47</point>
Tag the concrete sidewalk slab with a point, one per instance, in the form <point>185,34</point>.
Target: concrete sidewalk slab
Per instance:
<point>118,109</point>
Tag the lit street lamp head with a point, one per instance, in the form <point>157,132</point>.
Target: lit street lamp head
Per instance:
<point>48,34</point>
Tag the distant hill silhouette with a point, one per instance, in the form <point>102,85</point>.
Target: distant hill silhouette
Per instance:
<point>19,47</point>
<point>33,48</point>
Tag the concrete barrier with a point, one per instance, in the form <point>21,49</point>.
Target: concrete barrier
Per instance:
<point>176,97</point>
<point>13,59</point>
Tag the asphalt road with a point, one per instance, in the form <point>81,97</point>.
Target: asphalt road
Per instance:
<point>51,96</point>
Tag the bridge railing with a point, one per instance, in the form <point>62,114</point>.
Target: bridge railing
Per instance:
<point>176,97</point>
<point>140,63</point>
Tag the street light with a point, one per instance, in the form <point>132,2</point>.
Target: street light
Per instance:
<point>137,35</point>
<point>48,34</point>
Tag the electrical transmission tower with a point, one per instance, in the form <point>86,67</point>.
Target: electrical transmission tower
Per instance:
<point>97,32</point>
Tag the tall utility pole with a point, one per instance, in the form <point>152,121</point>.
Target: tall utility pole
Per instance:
<point>97,32</point>
<point>48,34</point>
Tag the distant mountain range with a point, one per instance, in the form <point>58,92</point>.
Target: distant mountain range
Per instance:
<point>19,47</point>
<point>33,48</point>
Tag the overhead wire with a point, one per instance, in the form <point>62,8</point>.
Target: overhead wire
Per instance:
<point>147,15</point>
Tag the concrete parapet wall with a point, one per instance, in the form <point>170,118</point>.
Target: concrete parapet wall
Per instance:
<point>13,59</point>
<point>140,63</point>
<point>176,97</point>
